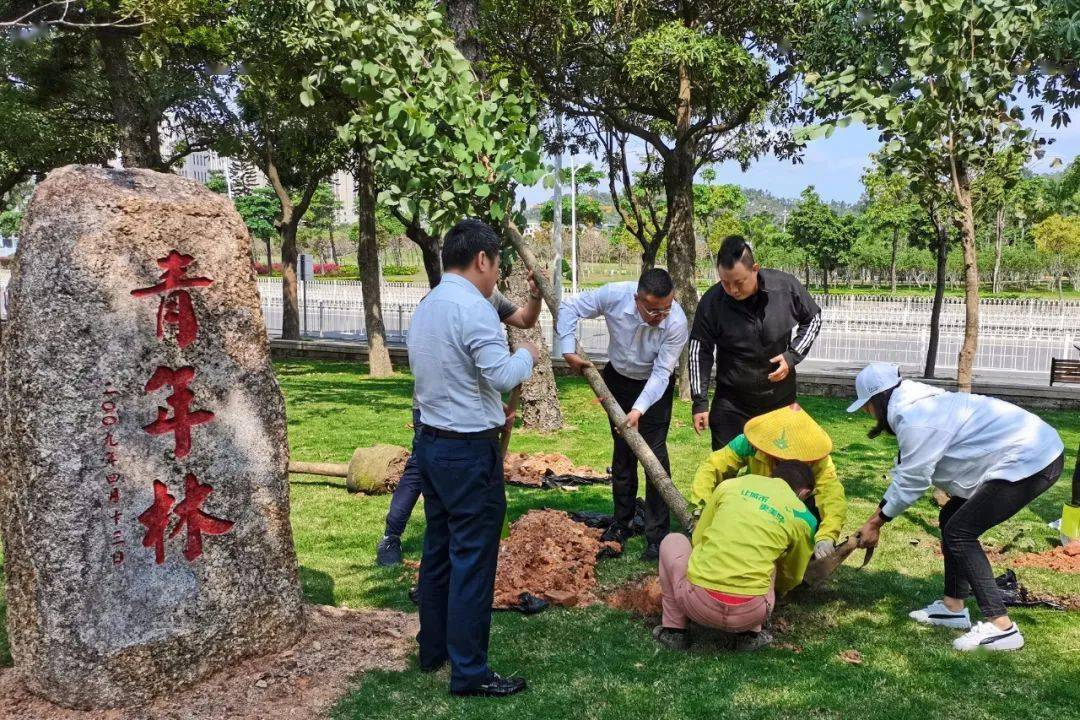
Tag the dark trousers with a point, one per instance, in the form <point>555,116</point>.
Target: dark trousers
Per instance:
<point>464,503</point>
<point>967,570</point>
<point>728,418</point>
<point>653,427</point>
<point>407,491</point>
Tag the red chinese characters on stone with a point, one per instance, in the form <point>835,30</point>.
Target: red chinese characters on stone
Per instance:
<point>183,418</point>
<point>198,522</point>
<point>175,307</point>
<point>156,519</point>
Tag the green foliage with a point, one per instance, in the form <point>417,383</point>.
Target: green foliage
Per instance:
<point>1058,237</point>
<point>216,182</point>
<point>445,146</point>
<point>322,212</point>
<point>260,210</point>
<point>825,236</point>
<point>10,222</point>
<point>399,270</point>
<point>589,211</point>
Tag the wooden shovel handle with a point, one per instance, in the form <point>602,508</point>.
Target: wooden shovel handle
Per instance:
<point>504,441</point>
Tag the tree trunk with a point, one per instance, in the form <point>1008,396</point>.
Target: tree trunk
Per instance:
<point>942,248</point>
<point>648,256</point>
<point>333,248</point>
<point>290,304</point>
<point>679,168</point>
<point>825,279</point>
<point>892,260</point>
<point>999,234</point>
<point>140,143</point>
<point>540,408</point>
<point>966,360</point>
<point>269,259</point>
<point>464,17</point>
<point>430,249</point>
<point>367,256</point>
<point>807,270</point>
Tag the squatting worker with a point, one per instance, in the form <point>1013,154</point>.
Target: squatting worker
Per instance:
<point>460,362</point>
<point>745,322</point>
<point>991,457</point>
<point>407,491</point>
<point>752,542</point>
<point>785,434</point>
<point>646,334</point>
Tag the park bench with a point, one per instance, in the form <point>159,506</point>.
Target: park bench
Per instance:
<point>1064,371</point>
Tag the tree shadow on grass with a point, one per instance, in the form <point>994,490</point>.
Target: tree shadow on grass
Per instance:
<point>318,586</point>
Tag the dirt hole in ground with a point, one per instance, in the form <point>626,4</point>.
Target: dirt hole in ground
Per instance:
<point>641,597</point>
<point>1065,559</point>
<point>301,683</point>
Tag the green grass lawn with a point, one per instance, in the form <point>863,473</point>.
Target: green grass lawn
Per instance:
<point>602,663</point>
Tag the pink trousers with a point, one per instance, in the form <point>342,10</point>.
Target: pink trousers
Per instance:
<point>682,600</point>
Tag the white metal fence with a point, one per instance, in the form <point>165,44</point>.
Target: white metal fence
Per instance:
<point>1014,335</point>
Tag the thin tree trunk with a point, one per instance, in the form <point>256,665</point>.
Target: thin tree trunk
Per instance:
<point>679,167</point>
<point>966,360</point>
<point>825,278</point>
<point>367,256</point>
<point>807,270</point>
<point>430,248</point>
<point>333,248</point>
<point>269,258</point>
<point>291,214</point>
<point>942,235</point>
<point>999,234</point>
<point>139,140</point>
<point>648,256</point>
<point>892,261</point>
<point>540,408</point>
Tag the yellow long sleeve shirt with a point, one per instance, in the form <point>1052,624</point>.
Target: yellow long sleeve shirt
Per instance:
<point>726,463</point>
<point>750,526</point>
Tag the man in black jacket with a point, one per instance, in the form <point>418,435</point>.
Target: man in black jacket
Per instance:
<point>745,322</point>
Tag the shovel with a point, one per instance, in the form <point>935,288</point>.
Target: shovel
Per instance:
<point>1070,513</point>
<point>819,570</point>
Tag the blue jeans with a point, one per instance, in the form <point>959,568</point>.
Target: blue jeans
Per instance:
<point>464,504</point>
<point>407,491</point>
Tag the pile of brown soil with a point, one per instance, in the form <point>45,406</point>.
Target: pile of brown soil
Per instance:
<point>550,556</point>
<point>641,597</point>
<point>297,684</point>
<point>1063,559</point>
<point>530,469</point>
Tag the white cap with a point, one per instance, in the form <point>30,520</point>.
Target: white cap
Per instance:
<point>872,379</point>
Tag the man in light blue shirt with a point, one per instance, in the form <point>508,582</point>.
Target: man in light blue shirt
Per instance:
<point>461,365</point>
<point>647,331</point>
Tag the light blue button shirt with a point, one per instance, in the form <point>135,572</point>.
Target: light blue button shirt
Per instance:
<point>459,359</point>
<point>636,349</point>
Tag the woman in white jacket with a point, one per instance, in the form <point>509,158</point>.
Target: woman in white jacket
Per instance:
<point>991,457</point>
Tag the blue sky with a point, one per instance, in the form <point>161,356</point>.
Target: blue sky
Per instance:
<point>835,165</point>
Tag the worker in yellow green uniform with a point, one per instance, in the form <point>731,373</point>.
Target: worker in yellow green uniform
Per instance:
<point>752,542</point>
<point>785,434</point>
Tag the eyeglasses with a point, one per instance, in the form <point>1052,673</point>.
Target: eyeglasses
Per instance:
<point>649,312</point>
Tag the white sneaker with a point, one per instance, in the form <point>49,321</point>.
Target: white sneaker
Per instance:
<point>937,614</point>
<point>987,636</point>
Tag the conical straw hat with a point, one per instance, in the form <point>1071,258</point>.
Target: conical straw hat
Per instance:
<point>789,434</point>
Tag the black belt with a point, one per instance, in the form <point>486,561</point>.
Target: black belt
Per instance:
<point>491,434</point>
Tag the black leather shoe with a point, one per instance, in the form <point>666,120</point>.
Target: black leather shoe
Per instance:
<point>495,686</point>
<point>434,667</point>
<point>388,551</point>
<point>651,553</point>
<point>616,533</point>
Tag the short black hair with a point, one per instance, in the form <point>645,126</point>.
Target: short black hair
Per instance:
<point>880,403</point>
<point>797,474</point>
<point>735,248</point>
<point>656,282</point>
<point>465,240</point>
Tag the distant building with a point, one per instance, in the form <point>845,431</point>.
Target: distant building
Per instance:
<point>8,246</point>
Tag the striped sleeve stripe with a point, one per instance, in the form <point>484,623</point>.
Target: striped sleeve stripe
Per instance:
<point>811,335</point>
<point>695,381</point>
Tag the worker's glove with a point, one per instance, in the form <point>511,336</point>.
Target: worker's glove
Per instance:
<point>823,549</point>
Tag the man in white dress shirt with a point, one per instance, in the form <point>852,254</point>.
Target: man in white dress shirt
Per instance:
<point>646,333</point>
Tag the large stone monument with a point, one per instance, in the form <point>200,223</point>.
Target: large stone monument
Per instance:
<point>143,488</point>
